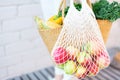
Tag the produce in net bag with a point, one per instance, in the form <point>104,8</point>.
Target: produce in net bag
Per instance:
<point>80,50</point>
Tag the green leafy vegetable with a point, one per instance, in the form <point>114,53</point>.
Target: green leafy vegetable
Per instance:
<point>107,11</point>
<point>102,9</point>
<point>65,12</point>
<point>77,5</point>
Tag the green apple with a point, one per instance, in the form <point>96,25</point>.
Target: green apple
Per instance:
<point>81,57</point>
<point>89,47</point>
<point>61,66</point>
<point>70,67</point>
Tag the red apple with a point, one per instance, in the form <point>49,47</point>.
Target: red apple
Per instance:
<point>93,70</point>
<point>103,60</point>
<point>60,55</point>
<point>81,72</point>
<point>94,58</point>
<point>73,52</point>
<point>104,54</point>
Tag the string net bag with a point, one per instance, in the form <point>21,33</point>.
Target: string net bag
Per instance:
<point>79,50</point>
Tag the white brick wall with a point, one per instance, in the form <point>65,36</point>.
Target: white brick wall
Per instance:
<point>3,73</point>
<point>2,51</point>
<point>20,68</point>
<point>0,27</point>
<point>9,60</point>
<point>6,38</point>
<point>8,12</point>
<point>21,48</point>
<point>16,2</point>
<point>18,23</point>
<point>18,46</point>
<point>29,10</point>
<point>31,33</point>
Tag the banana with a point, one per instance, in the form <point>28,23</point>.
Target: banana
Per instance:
<point>47,24</point>
<point>53,25</point>
<point>56,19</point>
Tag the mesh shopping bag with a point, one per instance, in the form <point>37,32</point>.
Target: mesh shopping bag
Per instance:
<point>79,49</point>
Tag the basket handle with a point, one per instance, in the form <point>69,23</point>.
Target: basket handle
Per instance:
<point>63,5</point>
<point>89,3</point>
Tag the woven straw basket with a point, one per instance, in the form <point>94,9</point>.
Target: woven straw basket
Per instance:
<point>50,36</point>
<point>105,27</point>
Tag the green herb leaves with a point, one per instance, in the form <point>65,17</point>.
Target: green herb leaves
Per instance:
<point>106,11</point>
<point>102,10</point>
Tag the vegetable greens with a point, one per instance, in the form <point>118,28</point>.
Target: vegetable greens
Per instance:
<point>106,11</point>
<point>102,10</point>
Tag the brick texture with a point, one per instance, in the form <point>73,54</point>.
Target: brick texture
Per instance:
<point>8,12</point>
<point>18,47</point>
<point>21,47</point>
<point>9,60</point>
<point>2,51</point>
<point>0,27</point>
<point>21,68</point>
<point>6,38</point>
<point>29,34</point>
<point>17,24</point>
<point>16,2</point>
<point>20,43</point>
<point>30,10</point>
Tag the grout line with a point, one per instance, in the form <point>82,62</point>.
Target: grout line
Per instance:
<point>17,10</point>
<point>8,5</point>
<point>1,23</point>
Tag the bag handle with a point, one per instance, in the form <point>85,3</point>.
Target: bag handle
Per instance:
<point>89,3</point>
<point>63,5</point>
